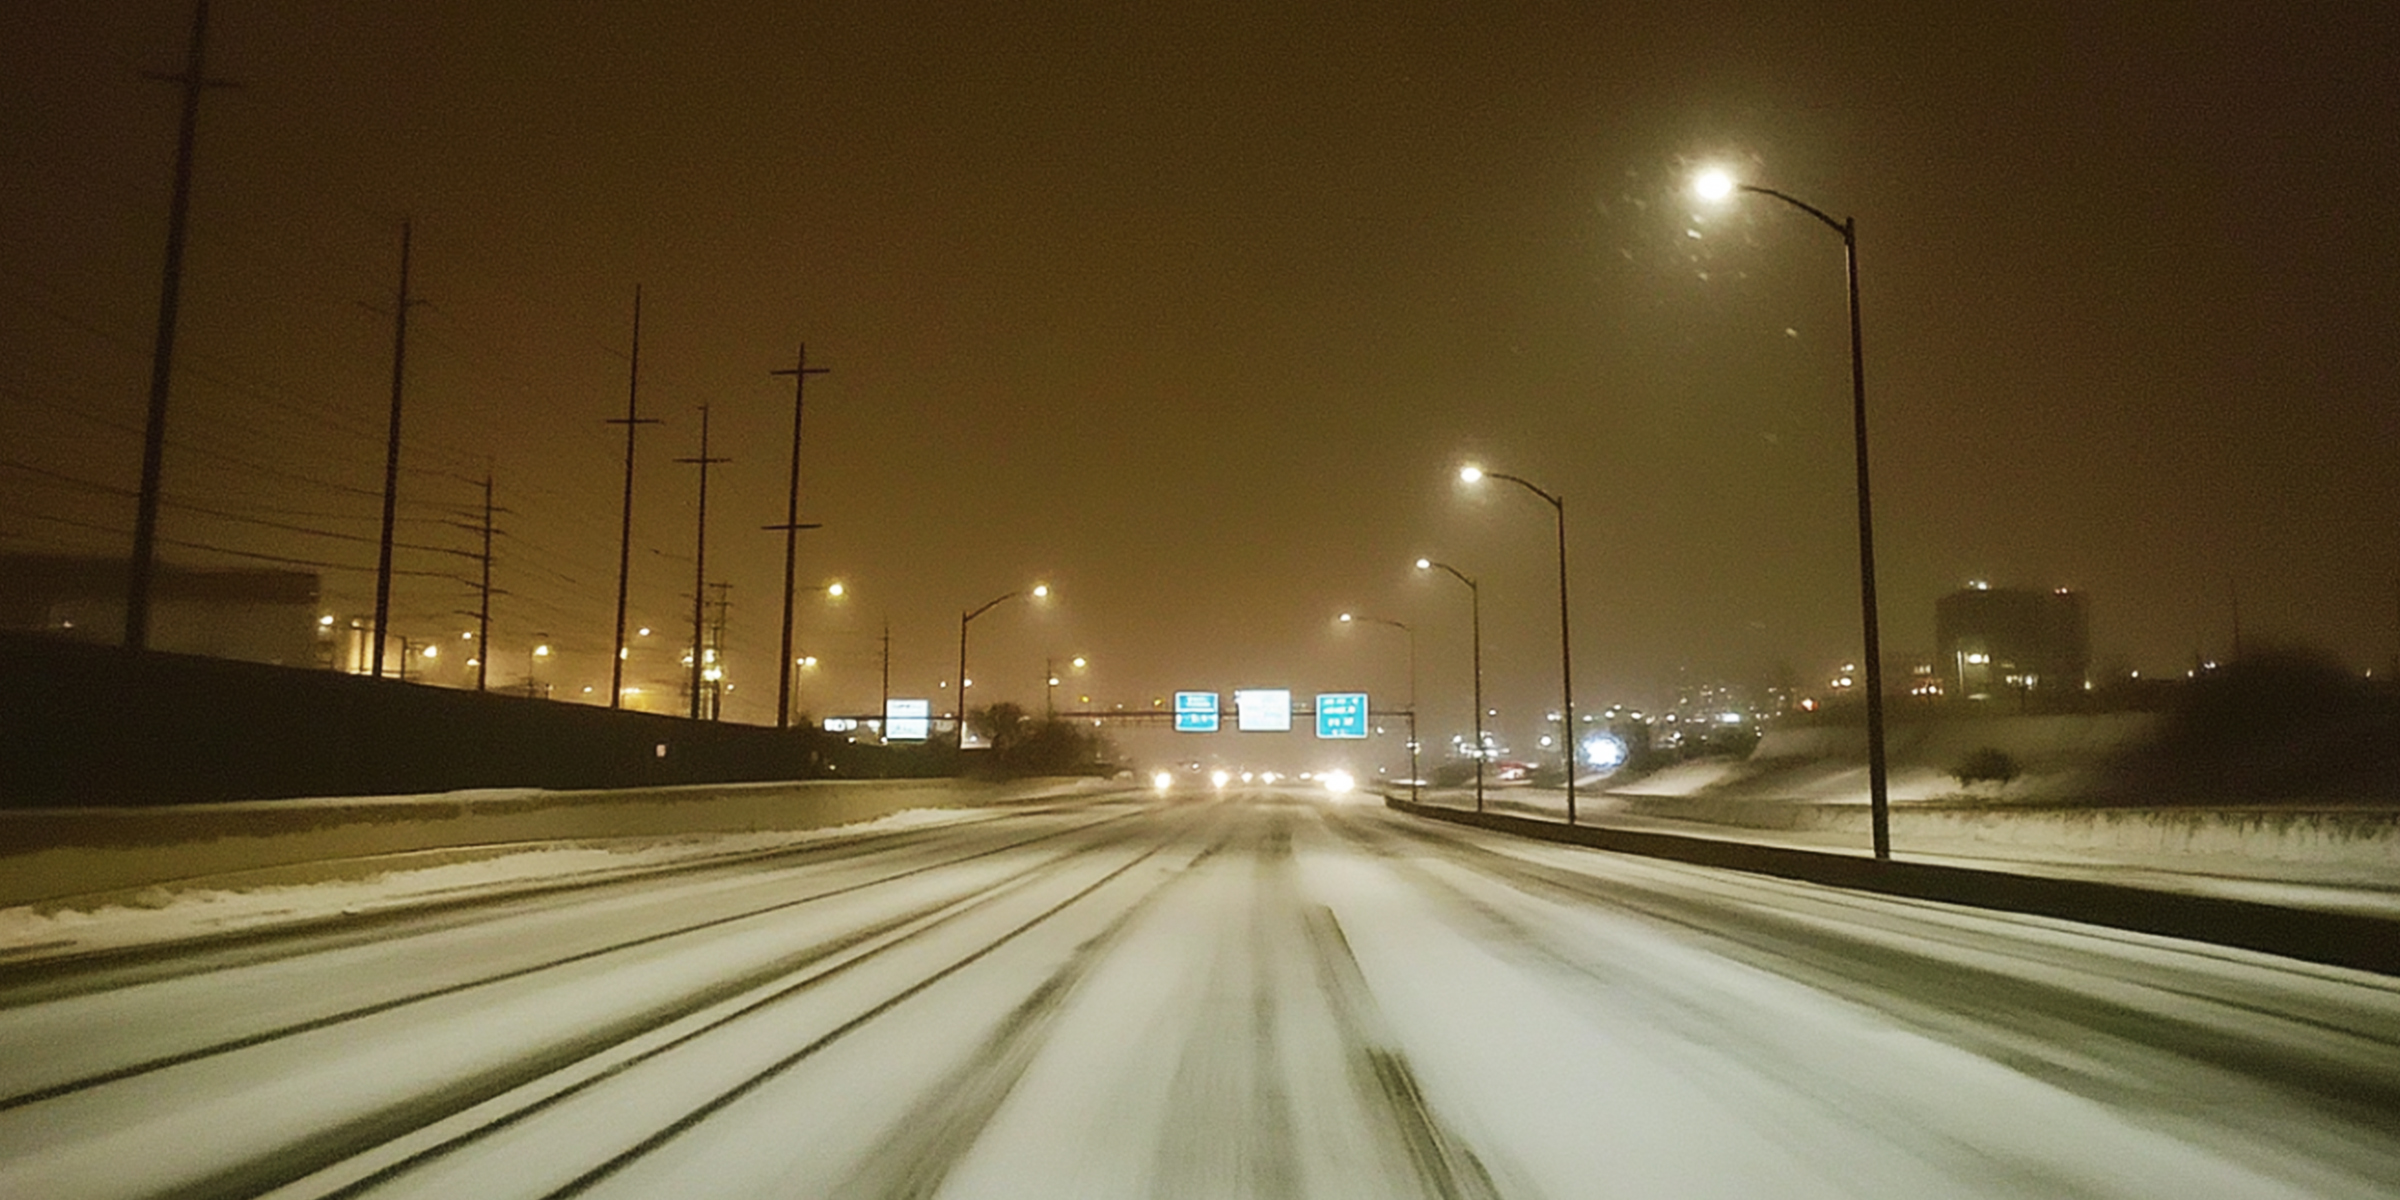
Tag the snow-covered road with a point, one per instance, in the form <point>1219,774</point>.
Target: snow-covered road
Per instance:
<point>1258,994</point>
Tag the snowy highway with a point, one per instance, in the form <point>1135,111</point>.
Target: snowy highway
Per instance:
<point>1255,993</point>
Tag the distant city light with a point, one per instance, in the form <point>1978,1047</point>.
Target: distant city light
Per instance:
<point>1219,777</point>
<point>1605,751</point>
<point>1161,780</point>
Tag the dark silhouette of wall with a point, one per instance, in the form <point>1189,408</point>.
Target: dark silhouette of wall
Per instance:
<point>87,725</point>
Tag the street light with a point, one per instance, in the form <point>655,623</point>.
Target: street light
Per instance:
<point>1714,185</point>
<point>1038,591</point>
<point>1566,660</point>
<point>1475,608</point>
<point>805,662</point>
<point>1050,681</point>
<point>1414,775</point>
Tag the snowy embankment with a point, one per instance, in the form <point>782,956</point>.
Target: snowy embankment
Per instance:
<point>1808,788</point>
<point>81,879</point>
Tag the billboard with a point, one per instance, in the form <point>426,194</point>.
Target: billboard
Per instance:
<point>1195,712</point>
<point>1262,710</point>
<point>1341,714</point>
<point>907,720</point>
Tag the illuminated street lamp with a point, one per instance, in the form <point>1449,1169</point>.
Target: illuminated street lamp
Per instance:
<point>1050,681</point>
<point>1566,660</point>
<point>533,685</point>
<point>806,662</point>
<point>1716,185</point>
<point>1475,609</point>
<point>1038,591</point>
<point>1414,775</point>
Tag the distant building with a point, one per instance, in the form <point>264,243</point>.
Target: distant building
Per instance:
<point>267,616</point>
<point>2011,641</point>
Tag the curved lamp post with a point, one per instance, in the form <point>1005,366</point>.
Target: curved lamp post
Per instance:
<point>1475,608</point>
<point>1414,775</point>
<point>1717,185</point>
<point>1566,660</point>
<point>966,618</point>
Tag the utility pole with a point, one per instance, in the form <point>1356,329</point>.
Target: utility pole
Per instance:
<point>632,421</point>
<point>144,565</point>
<point>791,527</point>
<point>700,562</point>
<point>391,466</point>
<point>483,610</point>
<point>722,604</point>
<point>884,712</point>
<point>2233,594</point>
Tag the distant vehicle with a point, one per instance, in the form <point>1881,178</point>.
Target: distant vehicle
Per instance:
<point>1509,770</point>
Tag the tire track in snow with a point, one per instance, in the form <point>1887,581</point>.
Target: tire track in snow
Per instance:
<point>29,980</point>
<point>700,1114</point>
<point>1445,1164</point>
<point>263,1037</point>
<point>926,1145</point>
<point>1228,1124</point>
<point>2108,1049</point>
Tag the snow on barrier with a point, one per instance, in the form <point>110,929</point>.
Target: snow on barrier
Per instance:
<point>50,854</point>
<point>2336,939</point>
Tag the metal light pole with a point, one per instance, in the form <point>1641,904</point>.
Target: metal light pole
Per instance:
<point>1566,659</point>
<point>1475,608</point>
<point>967,618</point>
<point>1415,776</point>
<point>1716,185</point>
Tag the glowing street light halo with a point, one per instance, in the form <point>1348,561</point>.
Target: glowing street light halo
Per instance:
<point>1714,184</point>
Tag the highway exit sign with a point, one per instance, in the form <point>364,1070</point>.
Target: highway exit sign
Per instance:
<point>1195,712</point>
<point>1341,714</point>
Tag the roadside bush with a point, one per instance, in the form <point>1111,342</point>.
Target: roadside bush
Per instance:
<point>2280,725</point>
<point>1987,765</point>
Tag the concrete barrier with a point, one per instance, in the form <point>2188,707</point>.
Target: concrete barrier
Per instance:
<point>2335,939</point>
<point>50,855</point>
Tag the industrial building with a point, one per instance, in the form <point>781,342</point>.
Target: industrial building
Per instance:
<point>2021,642</point>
